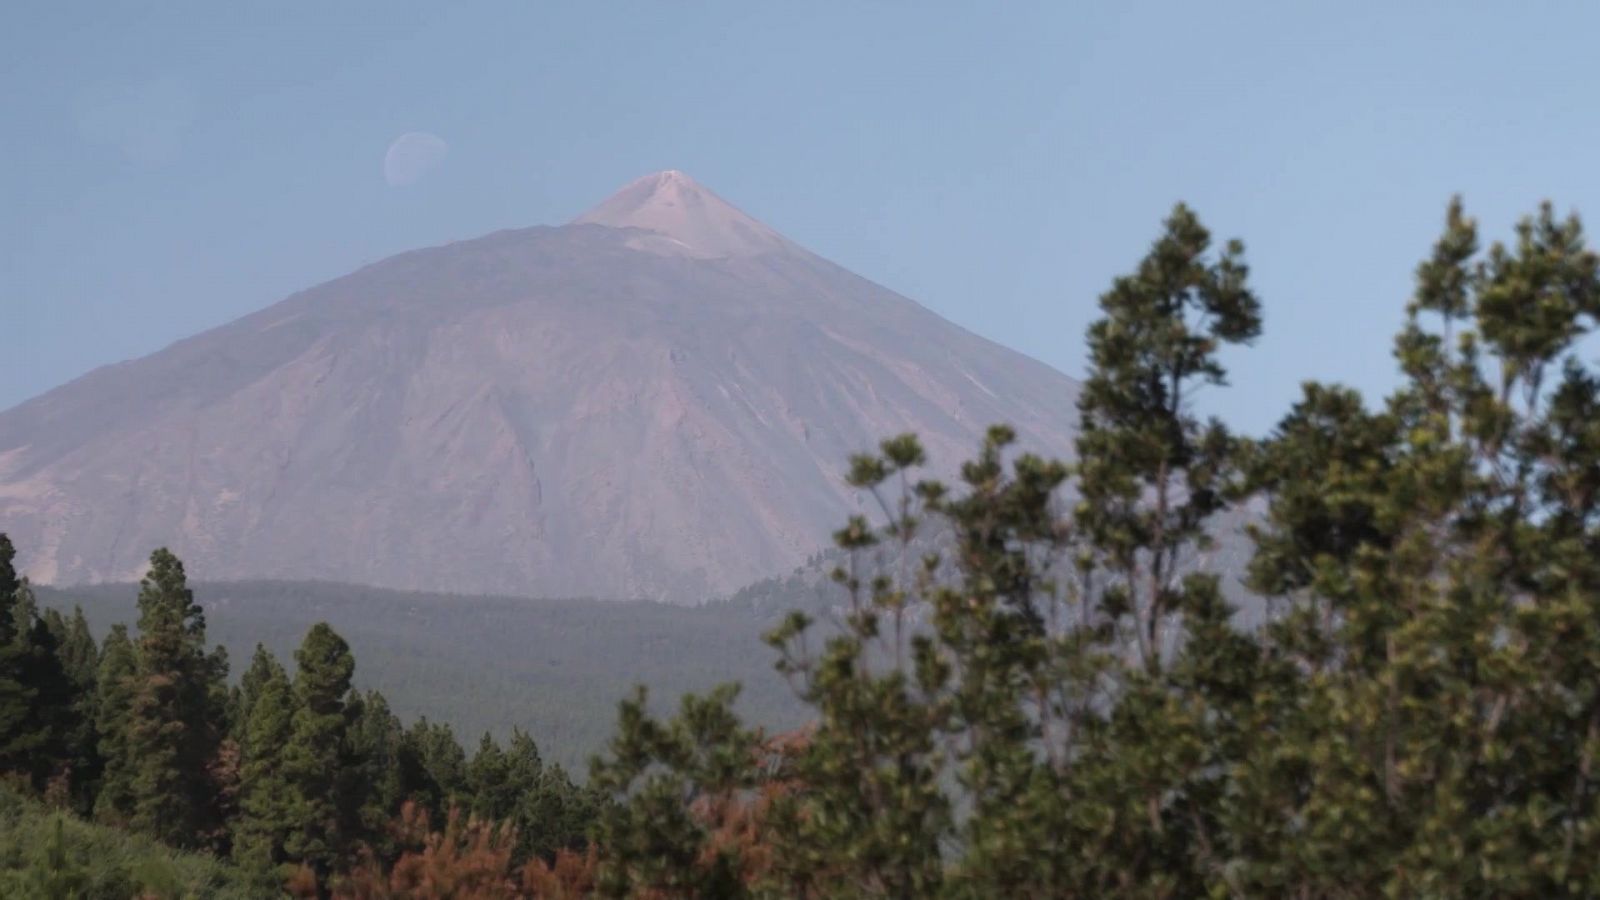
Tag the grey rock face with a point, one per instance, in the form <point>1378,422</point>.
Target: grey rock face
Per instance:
<point>657,400</point>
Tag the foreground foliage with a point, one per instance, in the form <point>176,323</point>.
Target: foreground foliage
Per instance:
<point>1062,704</point>
<point>47,854</point>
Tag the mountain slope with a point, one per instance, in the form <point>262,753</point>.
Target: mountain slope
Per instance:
<point>655,401</point>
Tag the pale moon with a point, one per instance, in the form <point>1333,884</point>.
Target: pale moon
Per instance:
<point>411,156</point>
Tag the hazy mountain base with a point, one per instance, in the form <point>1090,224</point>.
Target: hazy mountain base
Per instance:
<point>554,668</point>
<point>812,588</point>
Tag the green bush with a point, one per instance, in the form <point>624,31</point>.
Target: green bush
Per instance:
<point>48,854</point>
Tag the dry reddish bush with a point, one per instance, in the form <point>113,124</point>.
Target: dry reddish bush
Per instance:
<point>469,860</point>
<point>569,877</point>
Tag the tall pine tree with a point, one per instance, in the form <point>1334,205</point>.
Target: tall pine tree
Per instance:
<point>172,732</point>
<point>550,811</point>
<point>1149,473</point>
<point>112,710</point>
<point>317,758</point>
<point>80,662</point>
<point>16,696</point>
<point>376,740</point>
<point>8,586</point>
<point>266,803</point>
<point>489,781</point>
<point>434,767</point>
<point>40,717</point>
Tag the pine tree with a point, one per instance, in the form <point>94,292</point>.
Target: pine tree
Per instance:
<point>562,818</point>
<point>317,757</point>
<point>1149,473</point>
<point>266,802</point>
<point>673,779</point>
<point>537,810</point>
<point>80,656</point>
<point>172,734</point>
<point>38,701</point>
<point>378,774</point>
<point>1149,476</point>
<point>16,695</point>
<point>360,780</point>
<point>1434,564</point>
<point>80,660</point>
<point>488,781</point>
<point>219,696</point>
<point>35,742</point>
<point>18,741</point>
<point>434,767</point>
<point>113,708</point>
<point>262,666</point>
<point>8,588</point>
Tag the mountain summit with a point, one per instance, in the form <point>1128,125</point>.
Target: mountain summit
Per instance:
<point>685,219</point>
<point>657,400</point>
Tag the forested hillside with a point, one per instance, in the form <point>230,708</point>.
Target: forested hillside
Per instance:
<point>554,668</point>
<point>290,772</point>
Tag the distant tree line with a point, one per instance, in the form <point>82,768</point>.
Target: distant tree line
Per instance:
<point>554,667</point>
<point>1054,703</point>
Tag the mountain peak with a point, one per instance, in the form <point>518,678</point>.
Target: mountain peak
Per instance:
<point>688,219</point>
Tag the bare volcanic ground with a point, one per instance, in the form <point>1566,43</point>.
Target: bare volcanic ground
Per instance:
<point>656,401</point>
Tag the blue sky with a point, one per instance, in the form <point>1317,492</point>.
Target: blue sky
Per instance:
<point>168,167</point>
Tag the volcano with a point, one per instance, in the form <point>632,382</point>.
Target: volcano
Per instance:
<point>656,400</point>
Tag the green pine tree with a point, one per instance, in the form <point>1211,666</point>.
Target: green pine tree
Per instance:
<point>262,667</point>
<point>1434,567</point>
<point>549,810</point>
<point>488,780</point>
<point>656,843</point>
<point>267,804</point>
<point>317,757</point>
<point>80,660</point>
<point>434,767</point>
<point>17,696</point>
<point>173,734</point>
<point>8,588</point>
<point>113,706</point>
<point>1149,474</point>
<point>378,774</point>
<point>40,717</point>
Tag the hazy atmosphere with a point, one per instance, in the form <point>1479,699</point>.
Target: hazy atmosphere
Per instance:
<point>730,450</point>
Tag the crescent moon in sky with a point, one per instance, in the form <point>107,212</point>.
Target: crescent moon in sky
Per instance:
<point>411,156</point>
